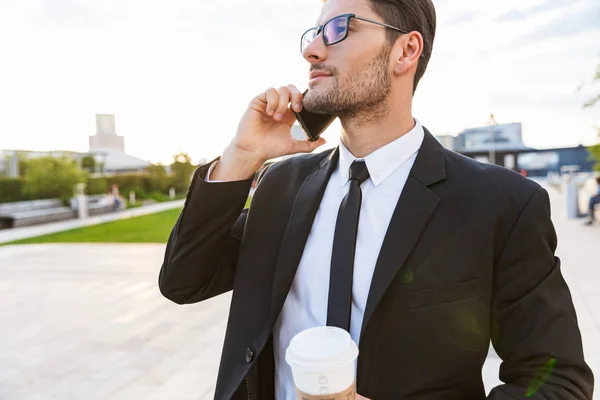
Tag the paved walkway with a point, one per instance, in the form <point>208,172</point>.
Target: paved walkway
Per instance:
<point>87,321</point>
<point>9,235</point>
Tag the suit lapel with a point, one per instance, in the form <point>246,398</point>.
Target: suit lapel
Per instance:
<point>415,207</point>
<point>297,230</point>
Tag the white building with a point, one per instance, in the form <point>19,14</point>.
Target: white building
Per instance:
<point>106,147</point>
<point>106,137</point>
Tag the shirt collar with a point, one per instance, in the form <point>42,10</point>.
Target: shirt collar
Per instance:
<point>384,161</point>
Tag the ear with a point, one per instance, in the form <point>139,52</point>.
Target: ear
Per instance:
<point>407,51</point>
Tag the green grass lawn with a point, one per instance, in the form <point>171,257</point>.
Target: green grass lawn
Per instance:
<point>152,228</point>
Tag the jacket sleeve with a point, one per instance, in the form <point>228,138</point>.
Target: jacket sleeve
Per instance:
<point>202,251</point>
<point>534,324</point>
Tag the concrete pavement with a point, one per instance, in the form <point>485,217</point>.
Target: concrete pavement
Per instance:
<point>87,321</point>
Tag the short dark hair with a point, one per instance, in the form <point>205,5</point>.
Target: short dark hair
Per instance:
<point>410,15</point>
<point>598,180</point>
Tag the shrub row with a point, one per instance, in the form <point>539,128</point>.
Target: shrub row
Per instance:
<point>144,186</point>
<point>11,190</point>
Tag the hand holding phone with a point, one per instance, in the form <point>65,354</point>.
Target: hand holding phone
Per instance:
<point>264,133</point>
<point>313,124</point>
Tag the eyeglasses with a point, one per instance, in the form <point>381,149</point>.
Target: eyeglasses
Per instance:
<point>336,29</point>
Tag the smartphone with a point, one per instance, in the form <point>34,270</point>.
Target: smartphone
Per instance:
<point>313,124</point>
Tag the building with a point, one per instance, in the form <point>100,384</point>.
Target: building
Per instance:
<point>107,148</point>
<point>498,144</point>
<point>503,145</point>
<point>106,137</point>
<point>541,162</point>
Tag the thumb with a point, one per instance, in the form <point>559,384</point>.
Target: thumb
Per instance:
<point>304,146</point>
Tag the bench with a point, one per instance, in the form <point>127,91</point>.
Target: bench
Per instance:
<point>34,217</point>
<point>25,213</point>
<point>97,204</point>
<point>34,212</point>
<point>10,208</point>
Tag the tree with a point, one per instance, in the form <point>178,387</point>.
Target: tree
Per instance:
<point>595,153</point>
<point>182,170</point>
<point>595,150</point>
<point>157,176</point>
<point>183,158</point>
<point>591,102</point>
<point>22,167</point>
<point>88,163</point>
<point>22,159</point>
<point>52,177</point>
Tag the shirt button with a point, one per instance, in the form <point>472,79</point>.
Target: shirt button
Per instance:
<point>249,355</point>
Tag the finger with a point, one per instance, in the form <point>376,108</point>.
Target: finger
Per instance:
<point>296,98</point>
<point>289,118</point>
<point>304,146</point>
<point>272,99</point>
<point>284,100</point>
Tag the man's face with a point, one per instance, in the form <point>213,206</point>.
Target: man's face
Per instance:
<point>359,66</point>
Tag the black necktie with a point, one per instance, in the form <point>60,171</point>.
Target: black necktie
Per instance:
<point>344,244</point>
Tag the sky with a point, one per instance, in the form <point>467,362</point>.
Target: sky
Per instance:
<point>178,75</point>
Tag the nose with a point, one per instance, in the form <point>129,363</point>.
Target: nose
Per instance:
<point>316,51</point>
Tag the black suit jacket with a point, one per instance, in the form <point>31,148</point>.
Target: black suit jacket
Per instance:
<point>468,258</point>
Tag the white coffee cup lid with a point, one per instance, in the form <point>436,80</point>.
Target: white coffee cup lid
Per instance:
<point>321,349</point>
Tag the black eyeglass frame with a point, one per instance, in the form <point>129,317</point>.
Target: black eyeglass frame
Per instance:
<point>348,17</point>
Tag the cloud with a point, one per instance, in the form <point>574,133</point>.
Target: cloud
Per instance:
<point>69,12</point>
<point>179,74</point>
<point>461,18</point>
<point>266,15</point>
<point>520,14</point>
<point>566,25</point>
<point>512,15</point>
<point>554,4</point>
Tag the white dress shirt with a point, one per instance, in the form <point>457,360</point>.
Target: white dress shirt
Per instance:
<point>306,303</point>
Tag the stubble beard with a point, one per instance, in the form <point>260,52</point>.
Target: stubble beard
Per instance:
<point>361,97</point>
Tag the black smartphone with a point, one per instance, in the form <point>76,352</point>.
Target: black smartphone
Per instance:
<point>313,124</point>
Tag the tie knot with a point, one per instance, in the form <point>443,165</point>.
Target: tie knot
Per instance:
<point>359,171</point>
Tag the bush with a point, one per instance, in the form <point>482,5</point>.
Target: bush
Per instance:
<point>11,190</point>
<point>157,196</point>
<point>157,179</point>
<point>182,170</point>
<point>595,154</point>
<point>97,185</point>
<point>146,186</point>
<point>52,177</point>
<point>129,182</point>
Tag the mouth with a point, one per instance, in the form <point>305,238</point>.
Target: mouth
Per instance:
<point>317,76</point>
<point>317,79</point>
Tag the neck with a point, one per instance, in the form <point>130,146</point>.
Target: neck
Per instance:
<point>365,132</point>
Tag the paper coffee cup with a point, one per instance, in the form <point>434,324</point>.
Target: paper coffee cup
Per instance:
<point>322,361</point>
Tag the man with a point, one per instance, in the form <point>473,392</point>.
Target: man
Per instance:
<point>594,200</point>
<point>422,254</point>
